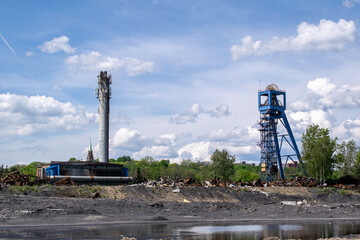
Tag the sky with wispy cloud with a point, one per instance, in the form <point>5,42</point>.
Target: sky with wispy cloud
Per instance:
<point>185,74</point>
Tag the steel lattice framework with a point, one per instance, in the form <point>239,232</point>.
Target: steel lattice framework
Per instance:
<point>272,105</point>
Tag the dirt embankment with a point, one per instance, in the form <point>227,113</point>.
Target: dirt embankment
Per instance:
<point>90,204</point>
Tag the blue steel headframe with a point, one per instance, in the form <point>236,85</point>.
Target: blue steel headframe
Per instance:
<point>275,104</point>
<point>272,110</point>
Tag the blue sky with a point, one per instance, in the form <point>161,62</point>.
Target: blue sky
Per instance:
<point>185,74</point>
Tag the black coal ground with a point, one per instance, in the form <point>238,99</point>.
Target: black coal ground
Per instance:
<point>53,207</point>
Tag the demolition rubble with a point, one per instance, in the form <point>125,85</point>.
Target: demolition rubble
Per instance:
<point>348,182</point>
<point>17,178</point>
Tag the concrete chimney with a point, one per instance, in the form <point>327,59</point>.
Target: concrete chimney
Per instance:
<point>103,93</point>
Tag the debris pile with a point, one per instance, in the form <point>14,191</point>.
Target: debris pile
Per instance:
<point>65,181</point>
<point>346,182</point>
<point>300,181</point>
<point>16,178</point>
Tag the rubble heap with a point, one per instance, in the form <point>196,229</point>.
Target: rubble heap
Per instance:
<point>300,181</point>
<point>65,181</point>
<point>16,178</point>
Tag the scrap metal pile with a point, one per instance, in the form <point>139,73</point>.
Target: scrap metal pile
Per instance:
<point>218,182</point>
<point>65,181</point>
<point>346,182</point>
<point>17,178</point>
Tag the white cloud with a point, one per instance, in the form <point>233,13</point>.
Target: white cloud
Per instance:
<point>323,103</point>
<point>57,88</point>
<point>235,136</point>
<point>96,61</point>
<point>167,139</point>
<point>198,151</point>
<point>349,129</point>
<point>155,151</point>
<point>201,151</point>
<point>57,45</point>
<point>23,115</point>
<point>349,3</point>
<point>132,142</point>
<point>193,114</point>
<point>328,35</point>
<point>321,86</point>
<point>239,142</point>
<point>322,94</point>
<point>303,119</point>
<point>29,54</point>
<point>126,139</point>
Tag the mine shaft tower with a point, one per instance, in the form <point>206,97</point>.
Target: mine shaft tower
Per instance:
<point>103,93</point>
<point>272,105</point>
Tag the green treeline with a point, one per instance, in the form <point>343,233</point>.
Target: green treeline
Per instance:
<point>148,168</point>
<point>323,159</point>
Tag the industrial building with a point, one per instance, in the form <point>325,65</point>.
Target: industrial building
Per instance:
<point>90,171</point>
<point>85,172</point>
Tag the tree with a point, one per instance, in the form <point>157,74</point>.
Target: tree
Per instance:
<point>246,173</point>
<point>124,159</point>
<point>222,164</point>
<point>148,159</point>
<point>357,165</point>
<point>164,163</point>
<point>318,152</point>
<point>346,156</point>
<point>30,169</point>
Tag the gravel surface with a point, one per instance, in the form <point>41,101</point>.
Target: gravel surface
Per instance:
<point>66,205</point>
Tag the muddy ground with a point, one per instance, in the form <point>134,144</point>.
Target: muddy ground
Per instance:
<point>46,205</point>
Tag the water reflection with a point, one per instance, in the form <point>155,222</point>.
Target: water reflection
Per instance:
<point>284,231</point>
<point>215,231</point>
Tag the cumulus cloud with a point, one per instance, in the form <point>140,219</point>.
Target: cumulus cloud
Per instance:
<point>327,35</point>
<point>349,3</point>
<point>303,119</point>
<point>193,114</point>
<point>240,142</point>
<point>198,151</point>
<point>348,129</point>
<point>322,94</point>
<point>155,151</point>
<point>127,141</point>
<point>57,44</point>
<point>320,105</point>
<point>23,115</point>
<point>168,146</point>
<point>96,61</point>
<point>201,151</point>
<point>235,136</point>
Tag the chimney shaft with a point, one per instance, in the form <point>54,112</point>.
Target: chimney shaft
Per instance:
<point>103,94</point>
